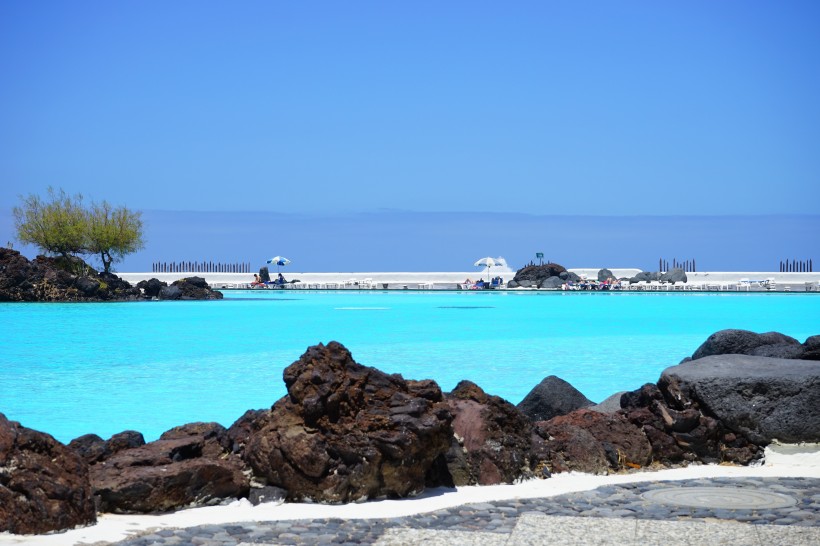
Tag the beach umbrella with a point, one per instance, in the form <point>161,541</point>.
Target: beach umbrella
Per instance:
<point>489,262</point>
<point>279,261</point>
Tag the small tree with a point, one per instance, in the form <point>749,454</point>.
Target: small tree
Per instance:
<point>56,225</point>
<point>113,233</point>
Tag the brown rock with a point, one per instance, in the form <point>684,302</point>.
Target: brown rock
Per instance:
<point>44,485</point>
<point>188,465</point>
<point>346,432</point>
<point>589,441</point>
<point>493,438</point>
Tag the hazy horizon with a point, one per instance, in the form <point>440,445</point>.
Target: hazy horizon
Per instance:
<point>424,241</point>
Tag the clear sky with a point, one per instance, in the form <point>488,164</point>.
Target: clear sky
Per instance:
<point>328,108</point>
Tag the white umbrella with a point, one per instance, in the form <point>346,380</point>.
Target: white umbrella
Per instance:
<point>279,261</point>
<point>489,262</point>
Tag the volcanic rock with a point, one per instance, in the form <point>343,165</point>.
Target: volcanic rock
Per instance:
<point>536,274</point>
<point>57,279</point>
<point>550,398</point>
<point>552,282</point>
<point>151,287</point>
<point>674,276</point>
<point>188,465</point>
<point>347,432</point>
<point>679,429</point>
<point>605,274</point>
<point>44,485</point>
<point>744,342</point>
<point>610,405</point>
<point>811,348</point>
<point>759,397</point>
<point>94,449</point>
<point>190,288</point>
<point>589,441</point>
<point>240,432</point>
<point>493,438</point>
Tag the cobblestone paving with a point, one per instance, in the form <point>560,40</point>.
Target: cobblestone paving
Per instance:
<point>484,520</point>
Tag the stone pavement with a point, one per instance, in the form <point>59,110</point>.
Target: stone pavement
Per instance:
<point>764,511</point>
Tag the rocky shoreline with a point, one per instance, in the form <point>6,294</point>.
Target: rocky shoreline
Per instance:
<point>47,279</point>
<point>346,432</point>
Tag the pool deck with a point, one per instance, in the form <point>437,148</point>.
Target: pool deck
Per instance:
<point>754,511</point>
<point>696,282</point>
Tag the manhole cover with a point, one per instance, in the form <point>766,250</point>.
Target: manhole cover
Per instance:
<point>732,498</point>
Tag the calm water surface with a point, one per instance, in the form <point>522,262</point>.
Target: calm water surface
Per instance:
<point>71,369</point>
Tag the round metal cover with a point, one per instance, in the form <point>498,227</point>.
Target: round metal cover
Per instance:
<point>731,498</point>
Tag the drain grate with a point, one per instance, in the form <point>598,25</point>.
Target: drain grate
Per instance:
<point>731,498</point>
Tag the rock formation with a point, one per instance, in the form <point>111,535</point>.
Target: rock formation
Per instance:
<point>190,288</point>
<point>94,449</point>
<point>57,279</point>
<point>552,397</point>
<point>347,432</point>
<point>534,275</point>
<point>605,274</point>
<point>590,441</point>
<point>674,276</point>
<point>188,465</point>
<point>760,398</point>
<point>73,280</point>
<point>492,438</point>
<point>44,485</point>
<point>744,342</point>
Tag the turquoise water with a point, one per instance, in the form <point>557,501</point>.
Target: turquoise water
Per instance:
<point>71,369</point>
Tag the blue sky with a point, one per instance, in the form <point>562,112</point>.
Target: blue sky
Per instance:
<point>332,109</point>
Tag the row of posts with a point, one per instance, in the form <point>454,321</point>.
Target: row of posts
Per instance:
<point>687,265</point>
<point>796,266</point>
<point>200,267</point>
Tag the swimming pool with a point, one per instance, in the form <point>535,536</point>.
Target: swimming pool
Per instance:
<point>71,369</point>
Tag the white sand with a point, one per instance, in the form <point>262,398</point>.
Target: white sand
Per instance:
<point>780,461</point>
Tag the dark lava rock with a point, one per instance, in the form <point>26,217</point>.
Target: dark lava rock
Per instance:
<point>811,348</point>
<point>679,430</point>
<point>759,397</point>
<point>744,342</point>
<point>90,447</point>
<point>94,449</point>
<point>552,397</point>
<point>674,276</point>
<point>552,282</point>
<point>44,485</point>
<point>589,441</point>
<point>347,432</point>
<point>191,288</point>
<point>57,279</point>
<point>493,438</point>
<point>645,276</point>
<point>151,287</point>
<point>188,465</point>
<point>536,274</point>
<point>569,276</point>
<point>610,405</point>
<point>268,493</point>
<point>605,274</point>
<point>170,293</point>
<point>240,432</point>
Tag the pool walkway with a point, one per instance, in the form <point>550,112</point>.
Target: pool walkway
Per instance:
<point>754,511</point>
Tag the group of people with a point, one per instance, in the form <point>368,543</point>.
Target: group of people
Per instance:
<point>480,284</point>
<point>585,284</point>
<point>259,283</point>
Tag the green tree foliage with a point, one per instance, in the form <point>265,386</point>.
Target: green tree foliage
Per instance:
<point>62,225</point>
<point>57,224</point>
<point>113,233</point>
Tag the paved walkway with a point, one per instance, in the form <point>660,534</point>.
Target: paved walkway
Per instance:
<point>764,511</point>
